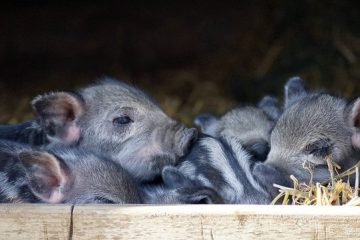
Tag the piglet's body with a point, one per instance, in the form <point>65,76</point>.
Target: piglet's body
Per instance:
<point>223,165</point>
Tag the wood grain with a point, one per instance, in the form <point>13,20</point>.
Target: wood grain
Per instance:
<point>36,221</point>
<point>216,222</point>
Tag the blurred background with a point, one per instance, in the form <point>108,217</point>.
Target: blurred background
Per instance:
<point>191,56</point>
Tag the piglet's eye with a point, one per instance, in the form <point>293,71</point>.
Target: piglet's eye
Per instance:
<point>122,120</point>
<point>103,200</point>
<point>320,148</point>
<point>320,152</point>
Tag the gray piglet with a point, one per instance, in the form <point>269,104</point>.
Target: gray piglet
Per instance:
<point>313,126</point>
<point>250,124</point>
<point>114,120</point>
<point>223,165</point>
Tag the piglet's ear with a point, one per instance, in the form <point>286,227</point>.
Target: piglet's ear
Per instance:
<point>48,177</point>
<point>58,113</point>
<point>207,122</point>
<point>270,105</point>
<point>173,178</point>
<point>353,113</point>
<point>294,90</point>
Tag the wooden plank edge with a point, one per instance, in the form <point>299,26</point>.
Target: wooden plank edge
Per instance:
<point>42,221</point>
<point>215,222</point>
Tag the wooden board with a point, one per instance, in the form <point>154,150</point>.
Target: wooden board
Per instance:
<point>216,222</point>
<point>34,221</point>
<point>26,221</point>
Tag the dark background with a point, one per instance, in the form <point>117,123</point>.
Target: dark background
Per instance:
<point>192,56</point>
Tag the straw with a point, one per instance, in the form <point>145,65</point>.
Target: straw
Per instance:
<point>336,191</point>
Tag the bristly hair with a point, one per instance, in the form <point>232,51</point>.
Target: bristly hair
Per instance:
<point>107,80</point>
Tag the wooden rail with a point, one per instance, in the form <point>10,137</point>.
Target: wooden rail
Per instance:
<point>36,221</point>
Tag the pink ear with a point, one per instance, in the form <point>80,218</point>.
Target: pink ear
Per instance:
<point>72,134</point>
<point>354,119</point>
<point>58,114</point>
<point>48,177</point>
<point>355,113</point>
<point>355,139</point>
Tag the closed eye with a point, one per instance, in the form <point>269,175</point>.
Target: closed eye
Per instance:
<point>122,120</point>
<point>103,200</point>
<point>319,148</point>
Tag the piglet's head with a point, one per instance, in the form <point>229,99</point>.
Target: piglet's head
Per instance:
<point>68,175</point>
<point>250,124</point>
<point>125,124</point>
<point>118,121</point>
<point>314,125</point>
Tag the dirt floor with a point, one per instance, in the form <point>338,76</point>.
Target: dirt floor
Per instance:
<point>191,57</point>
